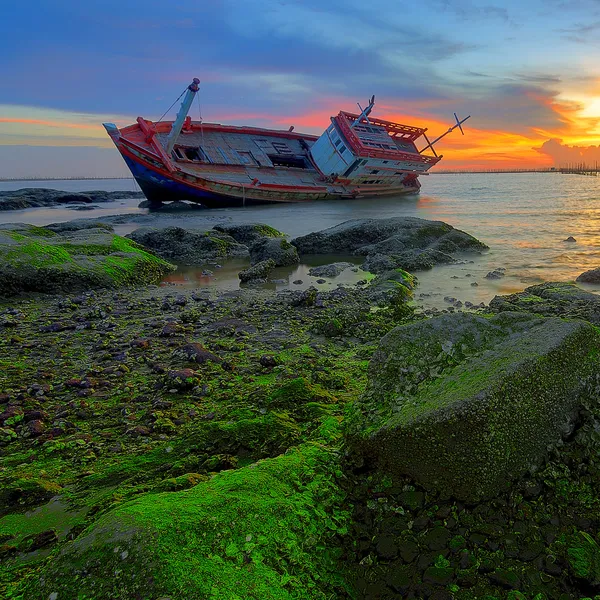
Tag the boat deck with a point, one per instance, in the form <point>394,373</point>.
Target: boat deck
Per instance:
<point>248,158</point>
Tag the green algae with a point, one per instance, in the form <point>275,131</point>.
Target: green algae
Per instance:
<point>43,260</point>
<point>253,532</point>
<point>268,231</point>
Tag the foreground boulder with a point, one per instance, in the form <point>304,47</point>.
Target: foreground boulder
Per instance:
<point>401,242</point>
<point>36,197</point>
<point>552,299</point>
<point>250,533</point>
<point>36,259</point>
<point>464,404</point>
<point>188,246</point>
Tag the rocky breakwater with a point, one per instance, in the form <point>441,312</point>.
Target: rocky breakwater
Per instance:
<point>466,404</point>
<point>37,259</point>
<point>39,197</point>
<point>405,243</point>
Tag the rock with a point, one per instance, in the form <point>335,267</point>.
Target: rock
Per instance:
<point>439,387</point>
<point>188,246</point>
<point>277,249</point>
<point>298,282</point>
<point>552,299</point>
<point>268,361</point>
<point>197,353</point>
<point>570,239</point>
<point>171,207</point>
<point>173,540</point>
<point>591,276</point>
<point>438,575</point>
<point>43,539</point>
<point>258,272</point>
<point>36,259</point>
<point>505,578</point>
<point>495,274</point>
<point>379,263</point>
<point>583,557</point>
<point>36,197</point>
<point>332,270</point>
<point>182,379</point>
<point>406,242</point>
<point>250,233</point>
<point>389,284</point>
<point>78,225</point>
<point>35,428</point>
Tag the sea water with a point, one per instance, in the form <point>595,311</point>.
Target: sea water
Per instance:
<point>523,218</point>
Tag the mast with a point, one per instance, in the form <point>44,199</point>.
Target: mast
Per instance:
<point>364,112</point>
<point>450,130</point>
<point>191,91</point>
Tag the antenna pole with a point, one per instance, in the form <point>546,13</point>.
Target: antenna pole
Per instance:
<point>191,91</point>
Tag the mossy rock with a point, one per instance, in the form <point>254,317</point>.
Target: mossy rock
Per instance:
<point>35,259</point>
<point>553,298</point>
<point>267,531</point>
<point>465,404</point>
<point>277,249</point>
<point>583,556</point>
<point>249,233</point>
<point>188,246</point>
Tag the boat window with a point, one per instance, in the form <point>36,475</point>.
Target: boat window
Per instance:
<point>281,147</point>
<point>374,172</point>
<point>338,143</point>
<point>192,154</point>
<point>351,168</point>
<point>343,149</point>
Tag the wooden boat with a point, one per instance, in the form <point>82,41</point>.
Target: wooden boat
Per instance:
<point>225,165</point>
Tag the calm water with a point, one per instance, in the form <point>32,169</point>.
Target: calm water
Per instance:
<point>524,218</point>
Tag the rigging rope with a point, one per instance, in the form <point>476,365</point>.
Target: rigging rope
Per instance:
<point>172,105</point>
<point>200,116</point>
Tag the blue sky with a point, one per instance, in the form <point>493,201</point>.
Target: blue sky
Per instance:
<point>526,71</point>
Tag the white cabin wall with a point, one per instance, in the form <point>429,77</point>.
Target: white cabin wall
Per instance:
<point>329,158</point>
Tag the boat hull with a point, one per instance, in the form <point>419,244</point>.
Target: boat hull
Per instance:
<point>160,186</point>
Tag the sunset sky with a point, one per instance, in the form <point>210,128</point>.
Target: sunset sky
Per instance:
<point>527,71</point>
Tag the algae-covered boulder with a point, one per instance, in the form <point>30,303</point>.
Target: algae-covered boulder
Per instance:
<point>188,246</point>
<point>277,249</point>
<point>249,233</point>
<point>407,242</point>
<point>465,403</point>
<point>267,531</point>
<point>36,259</point>
<point>550,299</point>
